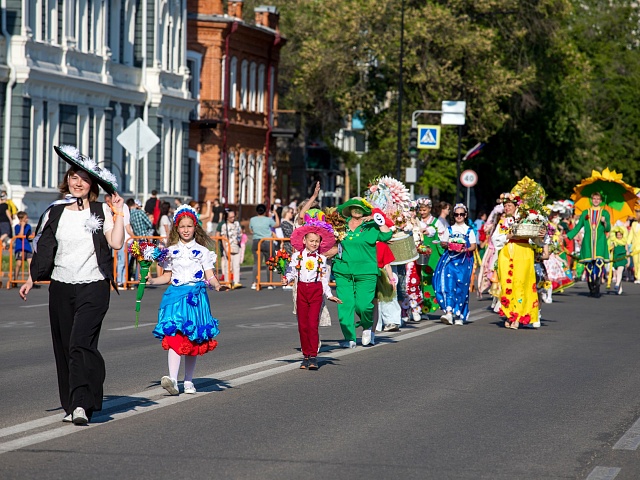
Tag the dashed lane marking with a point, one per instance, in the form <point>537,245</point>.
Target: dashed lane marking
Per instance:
<point>603,473</point>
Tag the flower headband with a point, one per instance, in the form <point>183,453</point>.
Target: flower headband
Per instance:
<point>461,205</point>
<point>426,202</point>
<point>509,197</point>
<point>185,211</point>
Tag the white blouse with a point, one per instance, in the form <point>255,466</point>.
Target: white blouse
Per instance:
<point>75,260</point>
<point>308,272</point>
<point>461,230</point>
<point>188,262</point>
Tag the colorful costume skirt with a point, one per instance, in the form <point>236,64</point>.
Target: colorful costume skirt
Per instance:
<point>519,290</point>
<point>185,323</point>
<point>429,303</point>
<point>451,282</point>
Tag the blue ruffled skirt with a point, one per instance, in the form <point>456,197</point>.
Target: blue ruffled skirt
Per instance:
<point>185,310</point>
<point>451,281</point>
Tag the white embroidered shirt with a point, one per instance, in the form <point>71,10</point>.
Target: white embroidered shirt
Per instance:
<point>308,272</point>
<point>188,262</point>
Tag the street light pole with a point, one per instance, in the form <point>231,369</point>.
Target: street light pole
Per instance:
<point>399,146</point>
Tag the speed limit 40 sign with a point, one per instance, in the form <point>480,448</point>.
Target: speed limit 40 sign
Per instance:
<point>468,178</point>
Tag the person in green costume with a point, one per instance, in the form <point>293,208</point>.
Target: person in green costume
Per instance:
<point>356,271</point>
<point>429,226</point>
<point>596,223</point>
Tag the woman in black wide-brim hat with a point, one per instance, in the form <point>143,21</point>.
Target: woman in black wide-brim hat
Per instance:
<point>73,246</point>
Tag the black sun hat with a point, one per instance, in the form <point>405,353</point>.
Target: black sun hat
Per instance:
<point>102,176</point>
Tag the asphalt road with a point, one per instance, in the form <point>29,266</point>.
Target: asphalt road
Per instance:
<point>428,402</point>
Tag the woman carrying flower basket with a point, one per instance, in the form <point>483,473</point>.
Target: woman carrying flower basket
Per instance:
<point>519,295</point>
<point>453,273</point>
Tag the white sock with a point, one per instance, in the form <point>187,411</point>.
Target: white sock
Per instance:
<point>189,367</point>
<point>174,364</point>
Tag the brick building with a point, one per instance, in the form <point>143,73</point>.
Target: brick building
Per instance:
<point>234,68</point>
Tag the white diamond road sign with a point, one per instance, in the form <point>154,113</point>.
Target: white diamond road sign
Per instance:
<point>138,139</point>
<point>429,136</point>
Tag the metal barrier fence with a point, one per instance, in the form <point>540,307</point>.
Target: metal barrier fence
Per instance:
<point>221,245</point>
<point>15,276</point>
<point>18,274</point>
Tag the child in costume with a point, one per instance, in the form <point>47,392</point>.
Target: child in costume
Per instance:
<point>618,252</point>
<point>309,267</point>
<point>185,324</point>
<point>22,247</point>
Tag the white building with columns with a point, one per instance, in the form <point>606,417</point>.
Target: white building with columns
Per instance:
<point>79,72</point>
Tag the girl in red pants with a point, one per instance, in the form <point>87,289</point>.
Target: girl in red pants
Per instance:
<point>309,268</point>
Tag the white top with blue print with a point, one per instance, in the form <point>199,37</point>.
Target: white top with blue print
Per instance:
<point>187,262</point>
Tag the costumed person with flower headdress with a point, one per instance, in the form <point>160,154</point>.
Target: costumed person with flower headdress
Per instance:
<point>594,250</point>
<point>308,268</point>
<point>356,271</point>
<point>185,324</point>
<point>519,302</point>
<point>431,230</point>
<point>634,244</point>
<point>73,250</point>
<point>487,276</point>
<point>618,254</point>
<point>452,275</point>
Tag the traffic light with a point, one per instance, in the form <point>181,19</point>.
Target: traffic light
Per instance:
<point>413,143</point>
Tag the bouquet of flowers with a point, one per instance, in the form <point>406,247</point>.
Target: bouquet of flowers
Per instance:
<point>279,262</point>
<point>145,253</point>
<point>337,221</point>
<point>423,249</point>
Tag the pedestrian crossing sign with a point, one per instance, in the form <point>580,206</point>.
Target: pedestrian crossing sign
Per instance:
<point>428,136</point>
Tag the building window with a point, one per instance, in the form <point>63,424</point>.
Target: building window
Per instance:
<point>260,100</point>
<point>259,179</point>
<point>251,179</point>
<point>244,93</point>
<point>233,83</point>
<point>252,87</point>
<point>231,179</point>
<point>68,133</point>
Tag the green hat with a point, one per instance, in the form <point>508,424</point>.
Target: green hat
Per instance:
<point>345,208</point>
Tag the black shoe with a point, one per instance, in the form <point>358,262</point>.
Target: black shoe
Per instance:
<point>313,363</point>
<point>305,363</point>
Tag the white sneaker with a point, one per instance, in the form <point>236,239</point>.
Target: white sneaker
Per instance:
<point>287,287</point>
<point>253,286</point>
<point>366,337</point>
<point>447,318</point>
<point>270,287</point>
<point>637,282</point>
<point>68,418</point>
<point>348,344</point>
<point>170,385</point>
<point>391,327</point>
<point>458,322</point>
<point>79,416</point>
<point>535,325</point>
<point>189,388</point>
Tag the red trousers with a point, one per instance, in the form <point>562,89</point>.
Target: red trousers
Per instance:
<point>308,305</point>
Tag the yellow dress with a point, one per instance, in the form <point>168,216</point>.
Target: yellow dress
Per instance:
<point>519,296</point>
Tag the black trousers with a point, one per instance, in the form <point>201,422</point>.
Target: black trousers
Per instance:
<point>76,312</point>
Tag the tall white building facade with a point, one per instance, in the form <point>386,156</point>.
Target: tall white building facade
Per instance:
<point>79,72</point>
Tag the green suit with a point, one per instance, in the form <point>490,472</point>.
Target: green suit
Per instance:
<point>355,269</point>
<point>594,243</point>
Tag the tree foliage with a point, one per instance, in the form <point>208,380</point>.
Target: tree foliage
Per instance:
<point>551,85</point>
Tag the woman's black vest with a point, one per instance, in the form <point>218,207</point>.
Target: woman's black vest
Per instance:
<point>47,246</point>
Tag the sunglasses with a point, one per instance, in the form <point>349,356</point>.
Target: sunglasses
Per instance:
<point>459,214</point>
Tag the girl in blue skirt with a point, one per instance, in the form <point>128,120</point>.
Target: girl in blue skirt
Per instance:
<point>185,324</point>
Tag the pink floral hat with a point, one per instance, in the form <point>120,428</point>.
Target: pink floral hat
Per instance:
<point>311,225</point>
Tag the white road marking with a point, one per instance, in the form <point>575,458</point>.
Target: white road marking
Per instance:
<point>132,326</point>
<point>266,306</point>
<point>603,473</point>
<point>631,439</point>
<point>149,402</point>
<point>34,306</point>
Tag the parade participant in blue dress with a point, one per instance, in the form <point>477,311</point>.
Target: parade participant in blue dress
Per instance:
<point>185,324</point>
<point>452,276</point>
